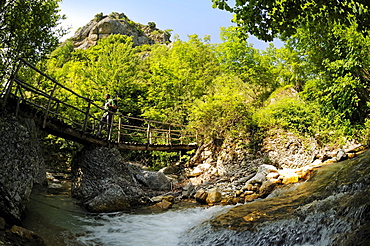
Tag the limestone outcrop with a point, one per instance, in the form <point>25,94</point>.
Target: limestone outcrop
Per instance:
<point>21,165</point>
<point>103,26</point>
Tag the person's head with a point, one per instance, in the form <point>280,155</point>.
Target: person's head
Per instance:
<point>107,96</point>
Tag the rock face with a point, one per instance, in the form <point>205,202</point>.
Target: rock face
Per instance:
<point>21,165</point>
<point>104,183</point>
<point>115,23</point>
<point>240,176</point>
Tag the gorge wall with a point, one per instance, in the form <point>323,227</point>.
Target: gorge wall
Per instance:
<point>21,165</point>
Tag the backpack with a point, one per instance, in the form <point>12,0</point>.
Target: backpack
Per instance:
<point>115,100</point>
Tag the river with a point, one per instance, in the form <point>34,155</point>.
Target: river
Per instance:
<point>332,208</point>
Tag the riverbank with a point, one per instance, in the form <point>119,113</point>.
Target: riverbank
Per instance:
<point>188,222</point>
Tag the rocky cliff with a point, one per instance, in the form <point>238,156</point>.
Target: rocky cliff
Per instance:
<point>102,26</point>
<point>21,165</point>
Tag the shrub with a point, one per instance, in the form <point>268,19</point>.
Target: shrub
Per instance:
<point>291,114</point>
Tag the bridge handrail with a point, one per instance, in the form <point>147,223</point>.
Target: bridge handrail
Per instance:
<point>170,132</point>
<point>52,79</point>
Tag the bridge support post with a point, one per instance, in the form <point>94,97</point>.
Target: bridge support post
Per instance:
<point>149,134</point>
<point>169,140</point>
<point>119,129</point>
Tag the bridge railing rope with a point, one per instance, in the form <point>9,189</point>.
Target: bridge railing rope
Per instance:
<point>52,101</point>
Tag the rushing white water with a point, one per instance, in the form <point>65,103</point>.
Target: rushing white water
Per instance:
<point>143,229</point>
<point>332,208</point>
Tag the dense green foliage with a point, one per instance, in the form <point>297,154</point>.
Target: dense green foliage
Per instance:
<point>318,84</point>
<point>330,40</point>
<point>268,18</point>
<point>28,29</point>
<point>224,90</point>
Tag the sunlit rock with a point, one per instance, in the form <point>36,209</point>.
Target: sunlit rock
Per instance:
<point>214,196</point>
<point>288,176</point>
<point>201,196</point>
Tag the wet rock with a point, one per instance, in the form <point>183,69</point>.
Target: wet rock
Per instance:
<point>163,205</point>
<point>267,187</point>
<point>21,236</point>
<point>250,198</point>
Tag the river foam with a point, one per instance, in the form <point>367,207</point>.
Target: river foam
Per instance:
<point>143,229</point>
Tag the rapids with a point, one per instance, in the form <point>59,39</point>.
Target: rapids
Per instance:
<point>332,208</point>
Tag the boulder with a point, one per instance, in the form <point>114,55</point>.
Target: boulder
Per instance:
<point>262,173</point>
<point>200,169</point>
<point>154,180</point>
<point>201,196</point>
<point>213,196</point>
<point>173,169</point>
<point>267,187</point>
<point>289,176</point>
<point>103,182</point>
<point>188,190</point>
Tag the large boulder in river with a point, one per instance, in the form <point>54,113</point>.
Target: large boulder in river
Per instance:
<point>103,182</point>
<point>21,165</point>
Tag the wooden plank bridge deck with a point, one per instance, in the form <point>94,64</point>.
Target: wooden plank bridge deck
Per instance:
<point>51,112</point>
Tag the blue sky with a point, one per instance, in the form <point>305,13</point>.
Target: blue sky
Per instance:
<point>184,17</point>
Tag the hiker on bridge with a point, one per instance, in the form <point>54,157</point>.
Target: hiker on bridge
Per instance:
<point>110,106</point>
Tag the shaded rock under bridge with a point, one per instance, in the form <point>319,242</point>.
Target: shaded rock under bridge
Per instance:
<point>48,103</point>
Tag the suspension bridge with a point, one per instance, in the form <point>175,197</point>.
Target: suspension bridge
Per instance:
<point>48,102</point>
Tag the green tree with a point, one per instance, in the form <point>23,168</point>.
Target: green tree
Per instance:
<point>268,18</point>
<point>28,29</point>
<point>252,66</point>
<point>179,74</point>
<point>224,112</point>
<point>109,67</point>
<point>340,60</point>
<point>332,36</point>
